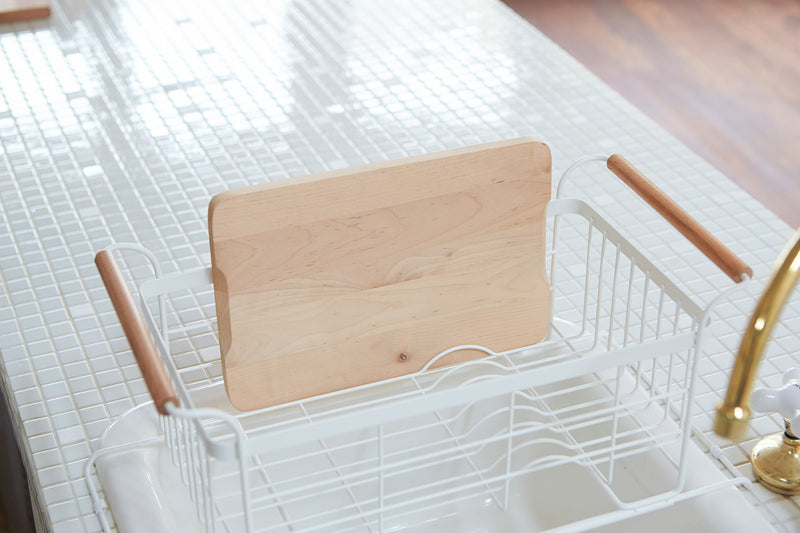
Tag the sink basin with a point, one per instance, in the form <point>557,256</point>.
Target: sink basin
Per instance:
<point>586,429</point>
<point>146,494</point>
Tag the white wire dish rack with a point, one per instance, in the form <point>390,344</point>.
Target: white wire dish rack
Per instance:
<point>506,442</point>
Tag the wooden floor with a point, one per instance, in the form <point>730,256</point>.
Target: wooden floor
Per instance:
<point>723,76</point>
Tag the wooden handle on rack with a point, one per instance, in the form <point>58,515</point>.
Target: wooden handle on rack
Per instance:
<point>703,239</point>
<point>144,349</point>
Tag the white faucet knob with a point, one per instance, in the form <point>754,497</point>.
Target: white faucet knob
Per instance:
<point>784,401</point>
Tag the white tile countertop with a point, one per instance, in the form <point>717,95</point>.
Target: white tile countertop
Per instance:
<point>119,121</point>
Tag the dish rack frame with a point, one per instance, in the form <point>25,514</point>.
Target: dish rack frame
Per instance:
<point>611,384</point>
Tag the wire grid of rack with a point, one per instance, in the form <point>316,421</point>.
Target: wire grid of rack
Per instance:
<point>608,390</point>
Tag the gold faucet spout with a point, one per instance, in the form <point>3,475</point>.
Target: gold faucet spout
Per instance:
<point>733,413</point>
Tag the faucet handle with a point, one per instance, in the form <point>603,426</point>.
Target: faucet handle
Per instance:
<point>785,401</point>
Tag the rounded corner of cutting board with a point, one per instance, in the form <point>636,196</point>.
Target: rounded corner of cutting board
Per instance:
<point>240,400</point>
<point>216,203</point>
<point>538,155</point>
<point>541,151</point>
<point>530,139</point>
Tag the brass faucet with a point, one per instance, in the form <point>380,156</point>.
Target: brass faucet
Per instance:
<point>733,413</point>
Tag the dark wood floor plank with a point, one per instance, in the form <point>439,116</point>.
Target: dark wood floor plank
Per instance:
<point>721,75</point>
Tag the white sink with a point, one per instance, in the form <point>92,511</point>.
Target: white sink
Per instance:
<point>146,494</point>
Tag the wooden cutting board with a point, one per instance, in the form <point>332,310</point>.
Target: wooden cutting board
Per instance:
<point>349,277</point>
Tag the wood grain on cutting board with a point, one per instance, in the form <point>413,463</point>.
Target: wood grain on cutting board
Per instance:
<point>349,277</point>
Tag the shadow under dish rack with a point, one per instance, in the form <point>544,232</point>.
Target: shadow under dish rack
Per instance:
<point>508,442</point>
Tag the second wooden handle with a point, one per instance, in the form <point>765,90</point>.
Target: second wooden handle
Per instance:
<point>703,239</point>
<point>144,349</point>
